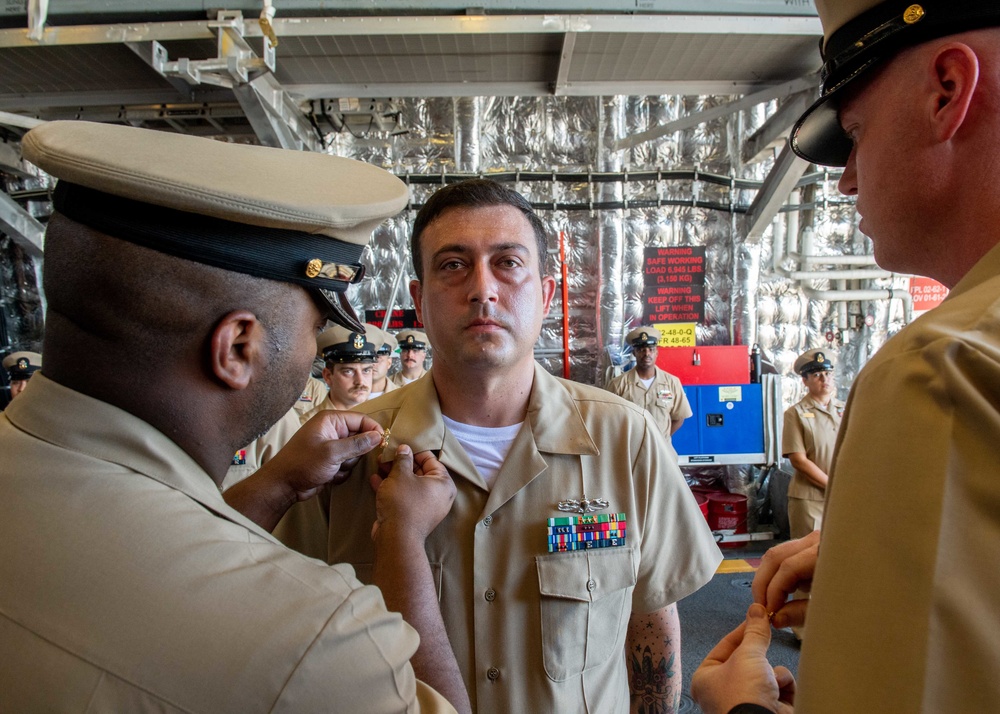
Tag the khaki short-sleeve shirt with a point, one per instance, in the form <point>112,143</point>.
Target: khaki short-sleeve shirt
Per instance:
<point>665,399</point>
<point>536,631</point>
<point>904,605</point>
<point>130,585</point>
<point>811,429</point>
<point>262,449</point>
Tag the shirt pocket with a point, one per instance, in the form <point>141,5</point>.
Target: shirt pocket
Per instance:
<point>585,607</point>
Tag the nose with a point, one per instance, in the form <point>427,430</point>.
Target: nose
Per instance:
<point>482,284</point>
<point>848,184</point>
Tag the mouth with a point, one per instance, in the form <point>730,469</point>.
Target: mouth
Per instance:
<point>484,325</point>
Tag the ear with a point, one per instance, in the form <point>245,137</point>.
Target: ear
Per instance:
<point>955,76</point>
<point>328,376</point>
<point>237,346</point>
<point>417,295</point>
<point>548,292</point>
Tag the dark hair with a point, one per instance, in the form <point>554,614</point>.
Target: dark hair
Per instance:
<point>474,193</point>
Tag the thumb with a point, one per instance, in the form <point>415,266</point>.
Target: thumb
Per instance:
<point>403,462</point>
<point>757,634</point>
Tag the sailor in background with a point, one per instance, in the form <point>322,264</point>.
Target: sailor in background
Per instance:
<point>20,366</point>
<point>412,353</point>
<point>650,387</point>
<point>383,360</point>
<point>349,358</point>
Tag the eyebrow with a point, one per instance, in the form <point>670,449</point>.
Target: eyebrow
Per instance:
<point>463,249</point>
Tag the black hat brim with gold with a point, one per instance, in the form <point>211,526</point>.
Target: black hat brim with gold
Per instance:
<point>864,43</point>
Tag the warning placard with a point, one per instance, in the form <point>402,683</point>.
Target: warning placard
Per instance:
<point>400,320</point>
<point>674,288</point>
<point>926,293</point>
<point>676,334</point>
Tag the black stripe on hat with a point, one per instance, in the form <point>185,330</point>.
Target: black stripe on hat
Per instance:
<point>275,253</point>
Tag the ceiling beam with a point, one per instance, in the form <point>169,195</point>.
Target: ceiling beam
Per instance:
<point>691,120</point>
<point>565,60</point>
<point>422,25</point>
<point>23,228</point>
<point>777,126</point>
<point>787,170</point>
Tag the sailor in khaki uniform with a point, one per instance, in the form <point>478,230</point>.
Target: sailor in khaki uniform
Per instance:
<point>314,392</point>
<point>20,366</point>
<point>573,532</point>
<point>380,371</point>
<point>808,437</point>
<point>350,357</point>
<point>131,583</point>
<point>412,354</point>
<point>258,452</point>
<point>652,388</point>
<point>904,605</point>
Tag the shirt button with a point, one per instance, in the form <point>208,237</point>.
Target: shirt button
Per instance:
<point>493,674</point>
<point>488,521</point>
<point>491,595</point>
<point>591,585</point>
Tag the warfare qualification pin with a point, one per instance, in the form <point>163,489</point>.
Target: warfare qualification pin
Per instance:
<point>584,505</point>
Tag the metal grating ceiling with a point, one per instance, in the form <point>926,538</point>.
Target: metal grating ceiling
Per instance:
<point>95,70</point>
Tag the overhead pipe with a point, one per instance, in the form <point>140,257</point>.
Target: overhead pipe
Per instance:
<point>851,295</point>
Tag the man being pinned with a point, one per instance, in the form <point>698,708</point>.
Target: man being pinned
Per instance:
<point>412,353</point>
<point>20,366</point>
<point>652,388</point>
<point>586,624</point>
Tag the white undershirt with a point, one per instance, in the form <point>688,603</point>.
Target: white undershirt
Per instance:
<point>647,382</point>
<point>486,446</point>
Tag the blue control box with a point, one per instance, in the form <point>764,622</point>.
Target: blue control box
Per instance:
<point>727,426</point>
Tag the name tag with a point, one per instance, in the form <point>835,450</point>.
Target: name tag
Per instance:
<point>808,415</point>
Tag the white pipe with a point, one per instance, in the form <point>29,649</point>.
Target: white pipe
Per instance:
<point>848,295</point>
<point>809,260</point>
<point>792,229</point>
<point>808,234</point>
<point>778,243</point>
<point>851,274</point>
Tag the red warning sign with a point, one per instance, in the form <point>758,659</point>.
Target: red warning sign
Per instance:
<point>927,293</point>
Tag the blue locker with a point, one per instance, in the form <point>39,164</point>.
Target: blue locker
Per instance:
<point>727,426</point>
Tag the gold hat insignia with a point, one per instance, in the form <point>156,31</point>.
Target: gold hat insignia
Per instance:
<point>913,14</point>
<point>23,363</point>
<point>359,342</point>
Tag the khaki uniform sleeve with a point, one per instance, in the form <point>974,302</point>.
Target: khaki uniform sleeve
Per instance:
<point>667,572</point>
<point>682,407</point>
<point>792,438</point>
<point>359,662</point>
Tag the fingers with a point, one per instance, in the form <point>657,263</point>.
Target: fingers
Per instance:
<point>727,645</point>
<point>427,464</point>
<point>403,463</point>
<point>792,614</point>
<point>338,425</point>
<point>785,569</point>
<point>786,685</point>
<point>757,634</point>
<point>346,449</point>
